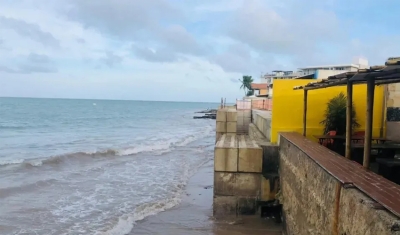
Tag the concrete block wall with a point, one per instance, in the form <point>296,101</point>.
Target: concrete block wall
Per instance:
<point>263,123</point>
<point>243,121</point>
<point>309,198</point>
<point>270,164</point>
<point>393,112</point>
<point>238,180</point>
<point>226,122</point>
<point>256,134</point>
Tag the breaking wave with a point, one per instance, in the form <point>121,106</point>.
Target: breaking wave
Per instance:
<point>156,147</point>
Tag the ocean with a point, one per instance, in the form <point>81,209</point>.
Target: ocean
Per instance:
<point>95,166</point>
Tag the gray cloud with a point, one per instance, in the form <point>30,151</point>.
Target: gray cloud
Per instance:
<point>32,31</point>
<point>7,69</point>
<point>235,58</point>
<point>180,40</point>
<point>81,40</point>
<point>151,23</point>
<point>238,57</point>
<point>37,68</point>
<point>284,31</point>
<point>234,80</point>
<point>172,42</point>
<point>126,19</point>
<point>159,55</point>
<point>29,69</point>
<point>37,58</point>
<point>35,63</point>
<point>110,59</point>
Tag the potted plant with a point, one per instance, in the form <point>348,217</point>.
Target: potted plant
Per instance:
<point>335,115</point>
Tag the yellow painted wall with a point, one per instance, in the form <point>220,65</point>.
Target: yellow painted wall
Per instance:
<point>287,113</point>
<point>263,91</point>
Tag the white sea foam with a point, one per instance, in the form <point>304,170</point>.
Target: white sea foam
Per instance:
<point>126,222</point>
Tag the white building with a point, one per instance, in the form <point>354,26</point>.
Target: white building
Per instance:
<point>314,72</point>
<point>329,70</point>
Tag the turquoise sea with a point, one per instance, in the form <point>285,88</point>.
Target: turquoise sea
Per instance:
<point>95,166</point>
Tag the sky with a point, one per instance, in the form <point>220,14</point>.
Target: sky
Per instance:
<point>175,50</point>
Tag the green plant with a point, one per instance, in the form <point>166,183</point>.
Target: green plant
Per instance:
<point>335,115</point>
<point>250,93</point>
<point>246,83</point>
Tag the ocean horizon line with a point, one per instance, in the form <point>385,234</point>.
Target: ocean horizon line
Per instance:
<point>51,98</point>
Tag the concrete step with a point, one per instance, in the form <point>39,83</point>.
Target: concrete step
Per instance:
<point>250,155</point>
<point>226,154</point>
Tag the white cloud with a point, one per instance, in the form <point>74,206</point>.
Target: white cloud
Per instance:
<point>188,49</point>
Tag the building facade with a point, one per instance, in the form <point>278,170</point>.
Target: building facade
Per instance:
<point>313,72</point>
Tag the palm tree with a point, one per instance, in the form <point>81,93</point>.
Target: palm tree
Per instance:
<point>246,83</point>
<point>335,115</point>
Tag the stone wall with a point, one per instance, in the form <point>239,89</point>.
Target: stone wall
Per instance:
<point>310,197</point>
<point>359,214</point>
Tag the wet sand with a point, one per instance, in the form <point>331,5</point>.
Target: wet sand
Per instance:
<point>193,216</point>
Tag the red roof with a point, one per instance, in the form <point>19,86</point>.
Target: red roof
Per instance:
<point>259,86</point>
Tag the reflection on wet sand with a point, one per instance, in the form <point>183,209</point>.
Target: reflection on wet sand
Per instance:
<point>194,215</point>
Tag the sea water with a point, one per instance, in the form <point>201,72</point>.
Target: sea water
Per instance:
<point>95,166</point>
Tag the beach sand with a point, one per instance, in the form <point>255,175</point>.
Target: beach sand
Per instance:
<point>193,216</point>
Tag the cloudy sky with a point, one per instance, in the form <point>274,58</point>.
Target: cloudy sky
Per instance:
<point>181,50</point>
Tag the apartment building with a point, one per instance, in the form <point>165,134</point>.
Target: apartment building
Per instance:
<point>313,72</point>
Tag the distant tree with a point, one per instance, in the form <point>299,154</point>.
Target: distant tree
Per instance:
<point>246,82</point>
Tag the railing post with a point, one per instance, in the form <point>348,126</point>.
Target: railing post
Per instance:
<point>349,123</point>
<point>368,121</point>
<point>305,113</point>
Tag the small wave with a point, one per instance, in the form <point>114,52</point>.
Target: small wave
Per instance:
<point>127,222</point>
<point>21,127</point>
<point>10,191</point>
<point>159,147</point>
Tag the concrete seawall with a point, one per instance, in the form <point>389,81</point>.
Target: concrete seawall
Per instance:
<point>262,120</point>
<point>237,176</point>
<point>245,166</point>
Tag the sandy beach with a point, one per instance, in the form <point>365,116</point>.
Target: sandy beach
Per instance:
<point>193,216</point>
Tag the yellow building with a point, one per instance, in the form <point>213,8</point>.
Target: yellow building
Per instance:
<point>287,113</point>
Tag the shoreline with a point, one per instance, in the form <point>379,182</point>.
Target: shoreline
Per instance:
<point>193,215</point>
